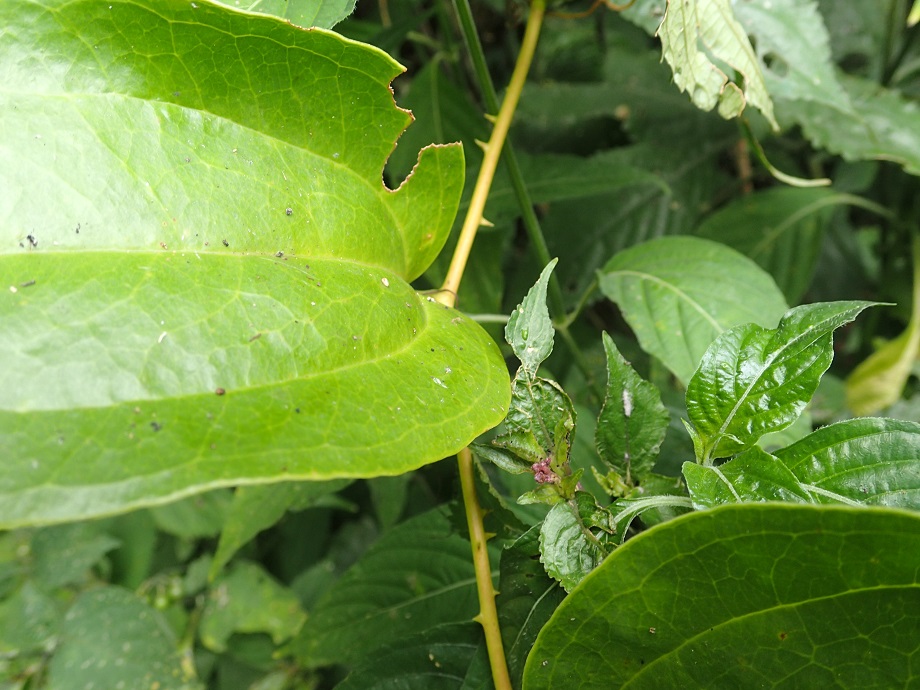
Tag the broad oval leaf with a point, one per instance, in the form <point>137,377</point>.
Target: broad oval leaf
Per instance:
<point>873,461</point>
<point>209,280</point>
<point>679,293</point>
<point>743,595</point>
<point>574,538</point>
<point>753,381</point>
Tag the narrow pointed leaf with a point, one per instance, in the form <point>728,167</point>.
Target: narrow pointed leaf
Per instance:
<point>755,475</point>
<point>744,596</point>
<point>699,35</point>
<point>753,381</point>
<point>679,293</point>
<point>210,282</point>
<point>632,423</point>
<point>871,461</point>
<point>530,331</point>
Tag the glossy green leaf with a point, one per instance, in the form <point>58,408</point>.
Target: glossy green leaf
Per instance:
<point>418,575</point>
<point>755,475</point>
<point>679,293</point>
<point>112,639</point>
<point>871,461</point>
<point>849,115</point>
<point>323,14</point>
<point>780,228</point>
<point>754,380</point>
<point>793,43</point>
<point>256,508</point>
<point>632,423</point>
<point>698,38</point>
<point>574,538</point>
<point>530,331</point>
<point>878,381</point>
<point>526,599</point>
<point>741,596</point>
<point>218,294</point>
<point>249,600</point>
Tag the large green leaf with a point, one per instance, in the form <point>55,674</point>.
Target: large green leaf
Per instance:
<point>679,293</point>
<point>872,461</point>
<point>753,380</point>
<point>698,37</point>
<point>209,281</point>
<point>417,576</point>
<point>745,596</point>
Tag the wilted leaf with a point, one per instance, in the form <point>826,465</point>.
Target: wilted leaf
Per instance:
<point>679,293</point>
<point>690,25</point>
<point>210,280</point>
<point>742,596</point>
<point>753,381</point>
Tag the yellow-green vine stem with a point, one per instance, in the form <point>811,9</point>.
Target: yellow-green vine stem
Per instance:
<point>493,151</point>
<point>488,613</point>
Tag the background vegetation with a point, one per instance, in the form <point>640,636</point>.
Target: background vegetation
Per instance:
<point>204,303</point>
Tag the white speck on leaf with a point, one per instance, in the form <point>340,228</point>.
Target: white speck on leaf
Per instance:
<point>386,283</point>
<point>627,403</point>
<point>438,381</point>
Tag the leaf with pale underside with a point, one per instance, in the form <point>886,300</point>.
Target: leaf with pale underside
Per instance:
<point>209,282</point>
<point>697,36</point>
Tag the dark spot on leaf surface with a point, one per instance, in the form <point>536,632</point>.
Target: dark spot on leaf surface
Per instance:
<point>289,211</point>
<point>156,426</point>
<point>32,240</point>
<point>219,391</point>
<point>783,635</point>
<point>225,243</point>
